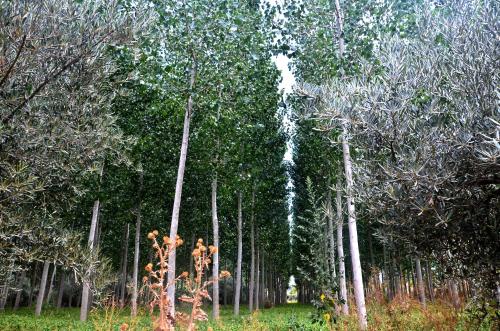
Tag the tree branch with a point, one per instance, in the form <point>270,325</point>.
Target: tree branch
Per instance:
<point>4,78</point>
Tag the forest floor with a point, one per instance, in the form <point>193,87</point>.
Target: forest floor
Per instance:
<point>402,315</point>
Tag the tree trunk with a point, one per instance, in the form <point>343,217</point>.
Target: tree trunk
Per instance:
<point>215,257</point>
<point>33,283</point>
<point>331,240</point>
<point>41,290</point>
<point>124,267</point>
<point>429,280</point>
<point>263,283</point>
<point>178,189</point>
<point>60,292</point>
<point>51,284</point>
<point>19,290</point>
<point>257,275</point>
<point>225,288</point>
<point>454,294</point>
<point>86,284</point>
<point>359,294</point>
<point>238,262</point>
<point>340,28</point>
<point>420,282</point>
<point>251,286</point>
<point>137,251</point>
<point>340,251</point>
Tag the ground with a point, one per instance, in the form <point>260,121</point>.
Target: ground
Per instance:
<point>402,315</point>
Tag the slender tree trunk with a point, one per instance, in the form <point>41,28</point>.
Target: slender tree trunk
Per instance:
<point>331,240</point>
<point>41,291</point>
<point>124,267</point>
<point>238,262</point>
<point>397,287</point>
<point>225,288</point>
<point>86,284</point>
<point>263,284</point>
<point>359,294</point>
<point>137,251</point>
<point>60,292</point>
<point>340,251</point>
<point>19,290</point>
<point>252,256</point>
<point>454,294</point>
<point>257,275</point>
<point>51,284</point>
<point>420,282</point>
<point>33,280</point>
<point>174,224</point>
<point>429,280</point>
<point>215,257</point>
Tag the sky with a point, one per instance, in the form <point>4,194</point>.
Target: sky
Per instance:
<point>287,82</point>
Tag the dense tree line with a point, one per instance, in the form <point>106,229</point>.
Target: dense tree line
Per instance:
<point>418,107</point>
<point>123,117</point>
<point>104,117</point>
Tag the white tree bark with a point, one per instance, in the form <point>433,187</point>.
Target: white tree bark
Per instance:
<point>340,28</point>
<point>359,293</point>
<point>420,282</point>
<point>238,262</point>
<point>215,257</point>
<point>340,251</point>
<point>174,224</point>
<point>41,290</point>
<point>251,286</point>
<point>137,251</point>
<point>86,284</point>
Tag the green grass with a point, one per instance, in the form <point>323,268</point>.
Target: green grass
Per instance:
<point>399,315</point>
<point>277,318</point>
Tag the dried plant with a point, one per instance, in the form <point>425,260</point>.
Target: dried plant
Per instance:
<point>157,281</point>
<point>197,289</point>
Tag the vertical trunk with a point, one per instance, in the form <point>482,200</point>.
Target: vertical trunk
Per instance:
<point>340,251</point>
<point>251,286</point>
<point>263,284</point>
<point>429,280</point>
<point>340,28</point>
<point>51,284</point>
<point>33,280</point>
<point>19,290</point>
<point>174,224</point>
<point>420,282</point>
<point>137,242</point>
<point>215,257</point>
<point>86,283</point>
<point>397,287</point>
<point>331,240</point>
<point>359,294</point>
<point>414,280</point>
<point>257,275</point>
<point>60,292</point>
<point>238,261</point>
<point>225,288</point>
<point>454,294</point>
<point>124,267</point>
<point>41,290</point>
